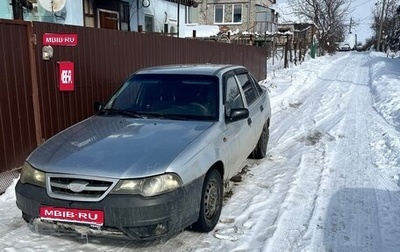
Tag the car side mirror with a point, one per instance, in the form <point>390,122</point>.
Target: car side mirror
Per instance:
<point>237,114</point>
<point>97,106</point>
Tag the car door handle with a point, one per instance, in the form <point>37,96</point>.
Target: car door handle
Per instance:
<point>262,108</point>
<point>249,121</point>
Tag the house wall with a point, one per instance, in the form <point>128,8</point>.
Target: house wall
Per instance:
<point>5,10</point>
<point>71,14</point>
<point>299,32</point>
<point>249,13</point>
<point>206,14</point>
<point>266,20</point>
<point>163,12</point>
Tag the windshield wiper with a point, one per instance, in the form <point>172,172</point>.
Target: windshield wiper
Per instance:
<point>123,112</point>
<point>142,114</point>
<point>164,116</point>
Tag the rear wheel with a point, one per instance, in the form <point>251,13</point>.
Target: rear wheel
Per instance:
<point>261,148</point>
<point>211,202</point>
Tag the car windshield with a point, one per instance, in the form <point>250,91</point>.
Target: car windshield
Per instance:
<point>166,96</point>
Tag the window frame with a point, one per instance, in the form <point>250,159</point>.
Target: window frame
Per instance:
<point>250,91</point>
<point>232,17</point>
<point>146,23</point>
<point>226,77</point>
<point>241,13</point>
<point>215,13</point>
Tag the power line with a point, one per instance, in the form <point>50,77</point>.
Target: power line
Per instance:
<point>361,4</point>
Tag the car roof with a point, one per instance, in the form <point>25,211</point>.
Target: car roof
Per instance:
<point>201,69</point>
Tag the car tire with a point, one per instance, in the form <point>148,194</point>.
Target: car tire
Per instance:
<point>211,202</point>
<point>262,145</point>
<point>27,218</point>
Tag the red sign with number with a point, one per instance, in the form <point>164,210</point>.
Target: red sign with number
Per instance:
<point>66,76</point>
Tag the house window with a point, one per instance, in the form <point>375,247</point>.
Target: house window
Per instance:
<point>89,17</point>
<point>219,13</point>
<point>124,15</point>
<point>148,23</point>
<point>191,15</point>
<point>237,13</point>
<point>228,13</point>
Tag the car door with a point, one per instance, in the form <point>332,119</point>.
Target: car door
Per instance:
<point>237,134</point>
<point>254,103</point>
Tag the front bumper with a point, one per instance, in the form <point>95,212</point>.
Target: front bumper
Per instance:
<point>135,216</point>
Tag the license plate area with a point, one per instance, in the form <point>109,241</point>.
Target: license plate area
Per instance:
<point>83,216</point>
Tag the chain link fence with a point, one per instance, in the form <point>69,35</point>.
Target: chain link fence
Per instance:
<point>6,179</point>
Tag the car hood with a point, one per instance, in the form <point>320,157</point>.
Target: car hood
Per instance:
<point>116,147</point>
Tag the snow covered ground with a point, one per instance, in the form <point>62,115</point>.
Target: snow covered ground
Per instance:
<point>330,181</point>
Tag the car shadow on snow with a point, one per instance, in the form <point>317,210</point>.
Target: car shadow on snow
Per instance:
<point>73,240</point>
<point>362,219</point>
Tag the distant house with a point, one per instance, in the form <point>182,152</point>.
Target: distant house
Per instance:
<point>299,30</point>
<point>160,16</point>
<point>303,32</point>
<point>237,16</point>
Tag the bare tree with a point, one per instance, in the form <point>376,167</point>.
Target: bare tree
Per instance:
<point>388,19</point>
<point>328,16</point>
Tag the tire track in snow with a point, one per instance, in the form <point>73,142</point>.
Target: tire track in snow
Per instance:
<point>307,180</point>
<point>355,220</point>
<point>350,173</point>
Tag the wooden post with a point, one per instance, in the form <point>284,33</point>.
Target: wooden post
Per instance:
<point>295,44</point>
<point>286,64</point>
<point>35,90</point>
<point>290,38</point>
<point>18,13</point>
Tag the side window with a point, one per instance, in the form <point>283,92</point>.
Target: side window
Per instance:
<point>258,87</point>
<point>233,98</point>
<point>249,89</point>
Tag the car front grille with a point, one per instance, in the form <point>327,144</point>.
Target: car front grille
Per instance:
<point>78,188</point>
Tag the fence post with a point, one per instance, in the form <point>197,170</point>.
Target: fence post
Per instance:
<point>286,63</point>
<point>35,92</point>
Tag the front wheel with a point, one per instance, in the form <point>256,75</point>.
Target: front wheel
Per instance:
<point>27,218</point>
<point>211,202</point>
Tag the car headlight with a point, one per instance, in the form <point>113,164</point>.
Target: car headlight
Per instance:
<point>148,186</point>
<point>32,176</point>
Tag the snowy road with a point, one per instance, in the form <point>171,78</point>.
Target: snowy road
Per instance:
<point>330,182</point>
<point>337,199</point>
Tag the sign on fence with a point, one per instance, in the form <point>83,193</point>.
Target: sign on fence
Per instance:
<point>60,39</point>
<point>66,75</point>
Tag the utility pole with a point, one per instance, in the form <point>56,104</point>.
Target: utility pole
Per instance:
<point>380,26</point>
<point>17,7</point>
<point>17,10</point>
<point>177,23</point>
<point>351,22</point>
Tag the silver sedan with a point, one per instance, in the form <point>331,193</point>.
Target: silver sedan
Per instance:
<point>155,157</point>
